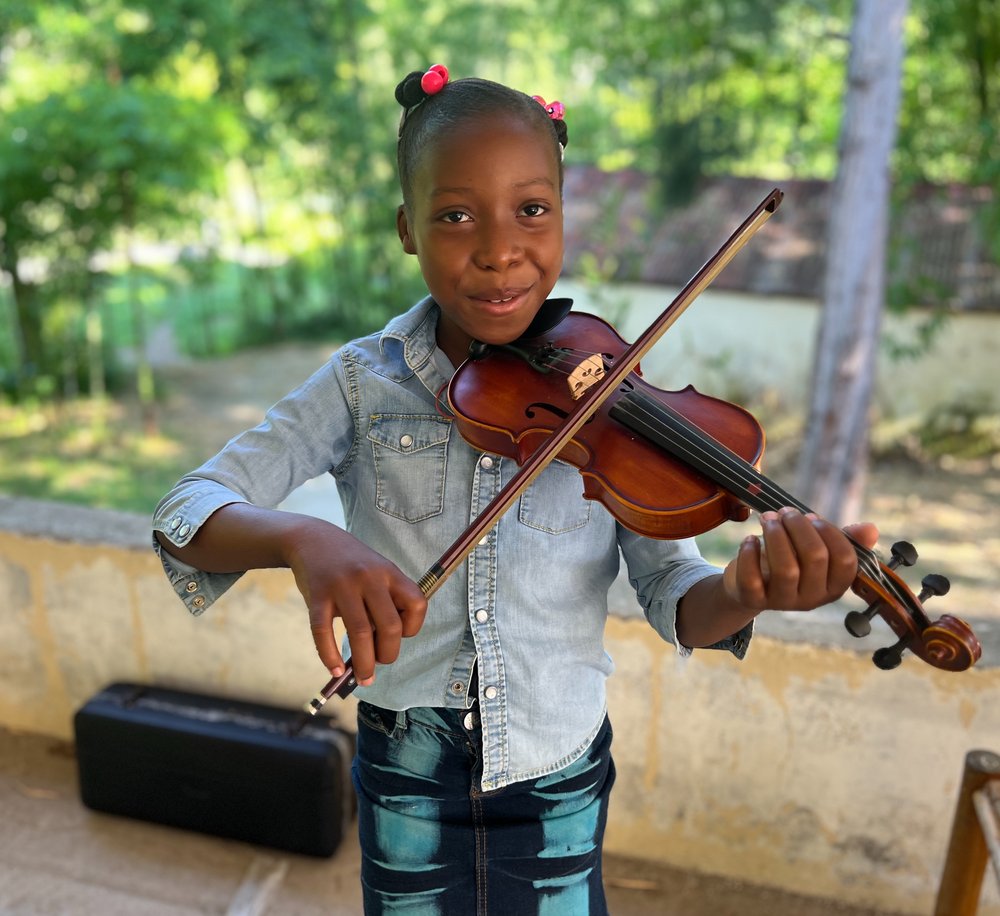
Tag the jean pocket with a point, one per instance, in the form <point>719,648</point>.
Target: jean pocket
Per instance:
<point>554,503</point>
<point>410,454</point>
<point>385,721</point>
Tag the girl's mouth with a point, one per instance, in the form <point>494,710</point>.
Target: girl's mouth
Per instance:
<point>500,297</point>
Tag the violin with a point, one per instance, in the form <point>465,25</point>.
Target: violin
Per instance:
<point>665,464</point>
<point>671,464</point>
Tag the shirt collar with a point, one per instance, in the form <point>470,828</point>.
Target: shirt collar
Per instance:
<point>415,330</point>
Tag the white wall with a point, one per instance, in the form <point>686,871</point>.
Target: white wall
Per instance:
<point>769,344</point>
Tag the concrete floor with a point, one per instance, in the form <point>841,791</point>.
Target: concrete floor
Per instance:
<point>57,858</point>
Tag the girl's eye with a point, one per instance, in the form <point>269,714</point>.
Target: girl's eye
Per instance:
<point>456,216</point>
<point>534,210</point>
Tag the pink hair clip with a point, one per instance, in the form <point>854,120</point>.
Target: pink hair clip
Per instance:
<point>556,110</point>
<point>434,80</point>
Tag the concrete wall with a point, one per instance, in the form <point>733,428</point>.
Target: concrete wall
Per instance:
<point>802,767</point>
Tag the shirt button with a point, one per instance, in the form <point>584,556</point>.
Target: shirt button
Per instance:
<point>491,692</point>
<point>482,616</point>
<point>486,463</point>
<point>192,586</point>
<point>183,531</point>
<point>406,441</point>
<point>469,721</point>
<point>199,601</point>
<point>458,687</point>
<point>175,523</point>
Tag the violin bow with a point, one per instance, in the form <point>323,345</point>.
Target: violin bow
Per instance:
<point>588,403</point>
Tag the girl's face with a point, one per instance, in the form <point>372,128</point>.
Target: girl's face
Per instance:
<point>486,224</point>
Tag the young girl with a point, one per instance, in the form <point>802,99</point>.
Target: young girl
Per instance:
<point>483,764</point>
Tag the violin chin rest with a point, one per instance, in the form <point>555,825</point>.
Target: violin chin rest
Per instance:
<point>478,349</point>
<point>549,314</point>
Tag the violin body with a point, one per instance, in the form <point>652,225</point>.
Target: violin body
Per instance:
<point>503,407</point>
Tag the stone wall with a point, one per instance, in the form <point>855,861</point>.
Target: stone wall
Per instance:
<point>802,767</point>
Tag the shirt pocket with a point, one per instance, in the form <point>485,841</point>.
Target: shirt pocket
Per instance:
<point>410,453</point>
<point>554,503</point>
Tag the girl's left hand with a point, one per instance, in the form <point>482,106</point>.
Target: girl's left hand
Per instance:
<point>801,562</point>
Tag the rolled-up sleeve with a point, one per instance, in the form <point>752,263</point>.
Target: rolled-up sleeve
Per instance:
<point>303,436</point>
<point>178,517</point>
<point>661,572</point>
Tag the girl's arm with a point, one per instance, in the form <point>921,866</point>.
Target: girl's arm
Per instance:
<point>337,575</point>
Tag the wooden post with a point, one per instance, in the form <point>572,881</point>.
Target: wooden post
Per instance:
<point>965,864</point>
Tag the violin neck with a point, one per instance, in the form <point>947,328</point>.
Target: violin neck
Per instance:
<point>664,427</point>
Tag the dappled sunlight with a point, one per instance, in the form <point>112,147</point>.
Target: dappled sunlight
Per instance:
<point>89,454</point>
<point>158,447</point>
<point>16,423</point>
<point>85,477</point>
<point>950,517</point>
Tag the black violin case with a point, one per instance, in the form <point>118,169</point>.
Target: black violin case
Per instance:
<point>245,771</point>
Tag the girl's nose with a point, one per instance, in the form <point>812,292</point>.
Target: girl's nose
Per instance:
<point>497,248</point>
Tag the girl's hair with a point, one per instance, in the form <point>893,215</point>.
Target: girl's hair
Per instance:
<point>425,116</point>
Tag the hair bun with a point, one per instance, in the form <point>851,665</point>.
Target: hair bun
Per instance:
<point>409,91</point>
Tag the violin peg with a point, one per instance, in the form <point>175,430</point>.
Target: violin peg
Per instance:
<point>889,657</point>
<point>903,554</point>
<point>933,585</point>
<point>858,623</point>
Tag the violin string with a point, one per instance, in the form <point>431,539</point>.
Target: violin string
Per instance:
<point>754,498</point>
<point>722,465</point>
<point>728,469</point>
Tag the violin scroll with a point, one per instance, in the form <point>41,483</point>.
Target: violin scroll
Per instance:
<point>947,643</point>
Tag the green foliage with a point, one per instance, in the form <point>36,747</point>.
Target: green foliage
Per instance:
<point>962,431</point>
<point>965,429</point>
<point>229,167</point>
<point>87,453</point>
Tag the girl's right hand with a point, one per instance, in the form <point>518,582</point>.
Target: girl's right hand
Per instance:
<point>339,576</point>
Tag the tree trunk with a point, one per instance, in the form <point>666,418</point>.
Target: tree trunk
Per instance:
<point>834,462</point>
<point>30,342</point>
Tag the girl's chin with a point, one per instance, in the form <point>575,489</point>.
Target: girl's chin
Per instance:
<point>500,325</point>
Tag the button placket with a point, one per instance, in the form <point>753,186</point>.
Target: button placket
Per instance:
<point>490,716</point>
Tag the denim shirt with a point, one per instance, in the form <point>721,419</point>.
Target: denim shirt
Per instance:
<point>529,606</point>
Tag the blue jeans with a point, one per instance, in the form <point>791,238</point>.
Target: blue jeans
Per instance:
<point>434,844</point>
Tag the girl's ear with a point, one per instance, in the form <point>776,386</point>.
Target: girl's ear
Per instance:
<point>403,228</point>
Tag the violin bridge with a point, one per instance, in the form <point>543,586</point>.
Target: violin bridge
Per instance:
<point>587,373</point>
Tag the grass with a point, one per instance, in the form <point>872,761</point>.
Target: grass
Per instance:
<point>88,453</point>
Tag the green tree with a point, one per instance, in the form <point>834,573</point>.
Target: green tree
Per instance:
<point>87,166</point>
